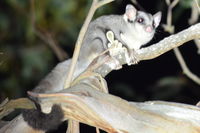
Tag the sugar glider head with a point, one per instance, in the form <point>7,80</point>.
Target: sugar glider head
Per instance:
<point>141,25</point>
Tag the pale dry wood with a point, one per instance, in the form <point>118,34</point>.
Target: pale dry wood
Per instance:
<point>113,114</point>
<point>7,106</point>
<point>73,126</point>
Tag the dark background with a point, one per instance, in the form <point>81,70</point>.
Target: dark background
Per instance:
<point>25,59</point>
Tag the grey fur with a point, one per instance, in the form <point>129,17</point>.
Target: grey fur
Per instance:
<point>95,41</point>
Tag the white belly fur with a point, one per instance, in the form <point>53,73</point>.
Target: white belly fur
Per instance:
<point>134,42</point>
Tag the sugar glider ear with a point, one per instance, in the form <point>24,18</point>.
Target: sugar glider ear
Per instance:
<point>130,12</point>
<point>157,18</point>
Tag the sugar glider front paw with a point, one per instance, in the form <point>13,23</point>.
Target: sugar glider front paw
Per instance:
<point>133,57</point>
<point>114,46</point>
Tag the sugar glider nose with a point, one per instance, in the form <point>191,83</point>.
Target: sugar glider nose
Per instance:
<point>149,29</point>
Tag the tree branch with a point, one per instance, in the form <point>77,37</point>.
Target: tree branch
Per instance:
<point>168,43</point>
<point>113,114</point>
<point>46,36</point>
<point>184,67</point>
<point>170,28</point>
<point>81,102</point>
<point>95,4</point>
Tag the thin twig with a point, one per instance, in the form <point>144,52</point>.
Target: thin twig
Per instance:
<point>167,2</point>
<point>78,44</point>
<point>46,36</point>
<point>194,13</point>
<point>169,27</point>
<point>174,3</point>
<point>97,130</point>
<point>7,106</point>
<point>197,5</point>
<point>95,4</point>
<point>194,18</point>
<point>184,67</point>
<point>102,2</point>
<point>179,57</point>
<point>197,42</point>
<point>168,43</point>
<point>73,127</point>
<point>138,5</point>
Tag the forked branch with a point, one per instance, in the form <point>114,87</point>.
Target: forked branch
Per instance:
<point>95,4</point>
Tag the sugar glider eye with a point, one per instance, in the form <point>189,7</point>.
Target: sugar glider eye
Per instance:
<point>140,20</point>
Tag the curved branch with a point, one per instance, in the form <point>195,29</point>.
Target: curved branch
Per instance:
<point>169,43</point>
<point>113,114</point>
